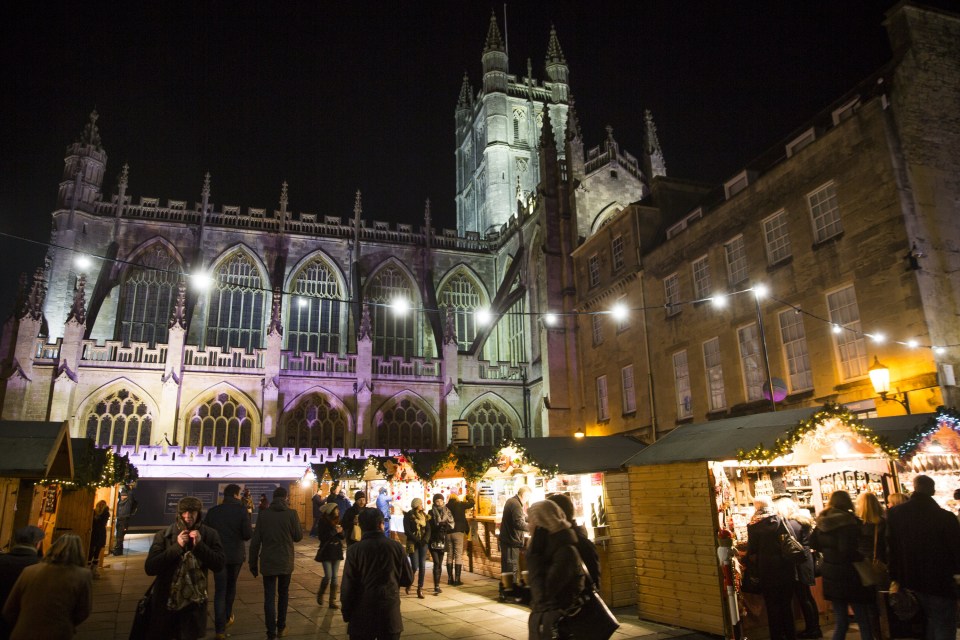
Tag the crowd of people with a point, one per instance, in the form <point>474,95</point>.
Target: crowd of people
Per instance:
<point>859,548</point>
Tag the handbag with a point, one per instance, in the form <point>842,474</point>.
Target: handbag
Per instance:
<point>873,573</point>
<point>589,616</point>
<point>320,551</point>
<point>790,547</point>
<point>817,564</point>
<point>142,615</point>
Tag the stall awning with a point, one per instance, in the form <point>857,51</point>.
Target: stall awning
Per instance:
<point>35,450</point>
<point>582,455</point>
<point>898,429</point>
<point>720,439</point>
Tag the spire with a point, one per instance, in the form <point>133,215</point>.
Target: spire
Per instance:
<point>124,178</point>
<point>573,122</point>
<point>658,166</point>
<point>33,306</point>
<point>205,191</point>
<point>283,197</point>
<point>554,52</point>
<point>91,134</point>
<point>547,138</point>
<point>465,101</point>
<point>427,220</point>
<point>494,39</point>
<point>178,319</point>
<point>450,328</point>
<point>357,209</point>
<point>366,330</point>
<point>78,310</point>
<point>275,324</point>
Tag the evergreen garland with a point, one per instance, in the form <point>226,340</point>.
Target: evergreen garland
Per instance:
<point>95,468</point>
<point>943,417</point>
<point>347,468</point>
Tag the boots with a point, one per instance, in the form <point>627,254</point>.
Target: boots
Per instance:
<point>456,574</point>
<point>450,579</point>
<point>323,588</point>
<point>420,593</point>
<point>333,596</point>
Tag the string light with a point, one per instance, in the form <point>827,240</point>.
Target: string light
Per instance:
<point>719,301</point>
<point>483,316</point>
<point>550,319</point>
<point>619,312</point>
<point>201,280</point>
<point>400,306</point>
<point>83,262</point>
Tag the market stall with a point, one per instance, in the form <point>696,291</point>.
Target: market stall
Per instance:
<point>931,448</point>
<point>588,470</point>
<point>697,483</point>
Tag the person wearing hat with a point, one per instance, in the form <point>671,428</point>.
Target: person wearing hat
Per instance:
<point>439,524</point>
<point>556,578</point>
<point>330,552</point>
<point>24,552</point>
<point>180,557</point>
<point>348,519</point>
<point>272,553</point>
<point>415,529</point>
<point>232,521</point>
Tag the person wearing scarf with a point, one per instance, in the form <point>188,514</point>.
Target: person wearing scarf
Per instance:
<point>415,529</point>
<point>439,525</point>
<point>777,574</point>
<point>555,575</point>
<point>180,556</point>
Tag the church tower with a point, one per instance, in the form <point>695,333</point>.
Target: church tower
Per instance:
<point>497,133</point>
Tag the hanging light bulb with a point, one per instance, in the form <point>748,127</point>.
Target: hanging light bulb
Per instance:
<point>619,312</point>
<point>482,316</point>
<point>550,319</point>
<point>719,301</point>
<point>837,328</point>
<point>913,344</point>
<point>879,338</point>
<point>400,306</point>
<point>83,262</point>
<point>301,302</point>
<point>760,291</point>
<point>201,280</point>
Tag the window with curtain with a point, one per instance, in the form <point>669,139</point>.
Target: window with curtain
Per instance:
<point>238,302</point>
<point>313,323</point>
<point>147,296</point>
<point>120,418</point>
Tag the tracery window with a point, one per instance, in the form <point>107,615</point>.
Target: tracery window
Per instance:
<point>489,423</point>
<point>237,305</point>
<point>121,418</point>
<point>393,333</point>
<point>147,296</point>
<point>461,295</point>
<point>405,426</point>
<point>221,421</point>
<point>516,334</point>
<point>314,424</point>
<point>314,320</point>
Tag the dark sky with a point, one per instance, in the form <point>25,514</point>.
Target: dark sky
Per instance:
<point>336,96</point>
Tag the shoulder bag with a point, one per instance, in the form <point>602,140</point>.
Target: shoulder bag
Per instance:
<point>141,617</point>
<point>873,573</point>
<point>589,617</point>
<point>790,547</point>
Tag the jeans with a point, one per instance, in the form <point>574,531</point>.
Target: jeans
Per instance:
<point>864,614</point>
<point>330,568</point>
<point>274,607</point>
<point>941,613</point>
<point>225,591</point>
<point>437,556</point>
<point>418,560</point>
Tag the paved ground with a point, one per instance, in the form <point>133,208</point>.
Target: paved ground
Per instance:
<point>470,611</point>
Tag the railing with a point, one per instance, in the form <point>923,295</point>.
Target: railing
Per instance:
<point>214,357</point>
<point>44,351</point>
<point>114,351</point>
<point>329,363</point>
<point>611,157</point>
<point>396,366</point>
<point>500,371</point>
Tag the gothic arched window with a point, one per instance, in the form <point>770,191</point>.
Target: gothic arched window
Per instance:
<point>314,321</point>
<point>221,421</point>
<point>393,333</point>
<point>314,424</point>
<point>237,302</point>
<point>460,294</point>
<point>405,426</point>
<point>490,424</point>
<point>119,419</point>
<point>147,296</point>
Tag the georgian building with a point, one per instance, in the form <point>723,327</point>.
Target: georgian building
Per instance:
<point>295,343</point>
<point>851,225</point>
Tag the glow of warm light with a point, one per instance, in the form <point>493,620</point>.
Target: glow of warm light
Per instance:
<point>879,377</point>
<point>719,301</point>
<point>301,302</point>
<point>760,291</point>
<point>580,433</point>
<point>879,338</point>
<point>400,306</point>
<point>83,262</point>
<point>619,311</point>
<point>913,344</point>
<point>550,319</point>
<point>935,448</point>
<point>842,447</point>
<point>837,328</point>
<point>201,280</point>
<point>939,350</point>
<point>482,316</point>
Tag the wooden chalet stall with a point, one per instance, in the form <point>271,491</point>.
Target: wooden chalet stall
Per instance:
<point>932,448</point>
<point>588,470</point>
<point>700,479</point>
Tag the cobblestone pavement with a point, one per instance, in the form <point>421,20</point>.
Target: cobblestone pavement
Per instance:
<point>470,611</point>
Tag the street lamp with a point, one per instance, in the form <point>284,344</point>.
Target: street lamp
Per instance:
<point>880,378</point>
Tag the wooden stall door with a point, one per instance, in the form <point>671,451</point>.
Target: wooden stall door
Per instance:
<point>8,509</point>
<point>75,515</point>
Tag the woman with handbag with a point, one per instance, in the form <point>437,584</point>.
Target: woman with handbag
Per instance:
<point>777,573</point>
<point>330,552</point>
<point>439,524</point>
<point>801,526</point>
<point>837,536</point>
<point>555,575</point>
<point>415,529</point>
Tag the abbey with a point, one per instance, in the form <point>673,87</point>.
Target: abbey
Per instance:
<point>296,341</point>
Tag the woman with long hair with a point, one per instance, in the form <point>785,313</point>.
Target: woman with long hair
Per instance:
<point>778,574</point>
<point>801,526</point>
<point>439,524</point>
<point>837,536</point>
<point>415,529</point>
<point>330,553</point>
<point>53,596</point>
<point>98,536</point>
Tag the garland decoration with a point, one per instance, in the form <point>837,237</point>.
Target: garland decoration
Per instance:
<point>789,441</point>
<point>945,416</point>
<point>428,464</point>
<point>95,468</point>
<point>344,467</point>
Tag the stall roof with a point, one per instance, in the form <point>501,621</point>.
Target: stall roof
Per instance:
<point>582,455</point>
<point>35,450</point>
<point>898,429</point>
<point>720,439</point>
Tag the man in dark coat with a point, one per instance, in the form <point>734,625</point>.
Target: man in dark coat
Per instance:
<point>924,543</point>
<point>232,521</point>
<point>186,542</point>
<point>348,518</point>
<point>23,553</point>
<point>777,574</point>
<point>512,527</point>
<point>373,573</point>
<point>271,553</point>
<point>126,507</point>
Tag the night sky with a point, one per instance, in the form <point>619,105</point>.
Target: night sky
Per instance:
<point>336,96</point>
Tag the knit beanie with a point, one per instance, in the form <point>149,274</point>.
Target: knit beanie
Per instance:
<point>547,514</point>
<point>416,502</point>
<point>358,495</point>
<point>328,507</point>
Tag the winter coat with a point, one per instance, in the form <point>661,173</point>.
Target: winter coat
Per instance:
<point>439,524</point>
<point>317,501</point>
<point>924,545</point>
<point>125,507</point>
<point>271,547</point>
<point>763,551</point>
<point>331,541</point>
<point>232,521</point>
<point>48,601</point>
<point>12,565</point>
<point>373,573</point>
<point>802,532</point>
<point>588,553</point>
<point>162,561</point>
<point>459,510</point>
<point>513,525</point>
<point>415,532</point>
<point>837,537</point>
<point>865,544</point>
<point>383,503</point>
<point>98,531</point>
<point>555,575</point>
<point>341,501</point>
